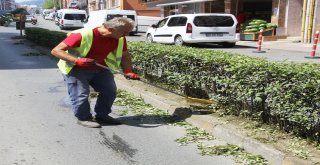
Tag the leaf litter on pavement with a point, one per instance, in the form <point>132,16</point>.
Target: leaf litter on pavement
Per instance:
<point>195,135</point>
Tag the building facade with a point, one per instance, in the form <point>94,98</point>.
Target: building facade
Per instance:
<point>295,18</point>
<point>123,5</point>
<point>7,5</point>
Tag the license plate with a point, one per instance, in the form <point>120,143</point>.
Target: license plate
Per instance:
<point>214,35</point>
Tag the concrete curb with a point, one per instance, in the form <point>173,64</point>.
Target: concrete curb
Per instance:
<point>170,102</point>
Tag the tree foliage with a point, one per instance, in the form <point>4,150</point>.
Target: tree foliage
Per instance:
<point>50,4</point>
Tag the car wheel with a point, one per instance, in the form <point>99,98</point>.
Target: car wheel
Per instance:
<point>178,41</point>
<point>228,45</point>
<point>149,38</point>
<point>61,27</point>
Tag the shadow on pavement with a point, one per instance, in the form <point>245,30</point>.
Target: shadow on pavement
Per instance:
<point>151,121</point>
<point>19,53</point>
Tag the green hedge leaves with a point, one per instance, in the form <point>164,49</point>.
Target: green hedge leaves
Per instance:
<point>44,37</point>
<point>273,92</point>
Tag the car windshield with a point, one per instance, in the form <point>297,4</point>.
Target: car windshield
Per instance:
<point>213,21</point>
<point>74,16</point>
<point>110,16</point>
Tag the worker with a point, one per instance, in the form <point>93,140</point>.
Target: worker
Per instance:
<point>79,53</point>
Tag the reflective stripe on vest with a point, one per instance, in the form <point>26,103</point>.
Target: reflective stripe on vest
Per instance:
<point>85,46</point>
<point>113,59</point>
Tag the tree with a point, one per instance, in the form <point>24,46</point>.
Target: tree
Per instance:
<point>52,4</point>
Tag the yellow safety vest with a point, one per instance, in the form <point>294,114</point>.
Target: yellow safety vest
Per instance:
<point>112,60</point>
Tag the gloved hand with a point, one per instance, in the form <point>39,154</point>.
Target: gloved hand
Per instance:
<point>84,62</point>
<point>128,74</point>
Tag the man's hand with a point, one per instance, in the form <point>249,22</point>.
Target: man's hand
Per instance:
<point>130,75</point>
<point>84,62</point>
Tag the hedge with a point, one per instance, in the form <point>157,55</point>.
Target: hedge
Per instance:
<point>44,37</point>
<point>285,94</point>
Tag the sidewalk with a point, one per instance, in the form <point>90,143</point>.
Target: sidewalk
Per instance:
<point>217,127</point>
<point>284,44</point>
<point>285,50</point>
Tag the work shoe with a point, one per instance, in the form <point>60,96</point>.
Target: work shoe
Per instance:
<point>108,120</point>
<point>89,123</point>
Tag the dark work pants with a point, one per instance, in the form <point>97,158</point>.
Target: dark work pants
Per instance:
<point>79,82</point>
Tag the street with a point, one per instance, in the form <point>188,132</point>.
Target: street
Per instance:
<point>37,126</point>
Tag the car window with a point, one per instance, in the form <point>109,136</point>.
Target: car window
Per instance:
<point>162,22</point>
<point>213,21</point>
<point>177,21</point>
<point>111,16</point>
<point>74,16</point>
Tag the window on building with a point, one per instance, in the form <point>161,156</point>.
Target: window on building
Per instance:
<point>113,3</point>
<point>197,8</point>
<point>170,10</point>
<point>214,7</point>
<point>187,8</point>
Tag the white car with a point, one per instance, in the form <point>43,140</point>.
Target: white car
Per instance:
<point>195,28</point>
<point>48,16</point>
<point>98,17</point>
<point>29,18</point>
<point>72,18</point>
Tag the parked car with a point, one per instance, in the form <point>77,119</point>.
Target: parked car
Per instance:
<point>74,5</point>
<point>48,16</point>
<point>72,18</point>
<point>29,18</point>
<point>195,28</point>
<point>97,18</point>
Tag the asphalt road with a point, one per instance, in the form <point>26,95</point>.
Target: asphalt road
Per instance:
<point>37,127</point>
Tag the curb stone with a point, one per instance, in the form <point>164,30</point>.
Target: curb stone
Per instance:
<point>170,102</point>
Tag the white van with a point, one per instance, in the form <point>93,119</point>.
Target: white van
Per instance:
<point>97,18</point>
<point>195,28</point>
<point>72,18</point>
<point>146,21</point>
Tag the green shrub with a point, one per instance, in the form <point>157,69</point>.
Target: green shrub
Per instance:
<point>272,92</point>
<point>6,19</point>
<point>44,37</point>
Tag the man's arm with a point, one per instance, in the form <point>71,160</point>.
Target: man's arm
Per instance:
<point>127,66</point>
<point>126,61</point>
<point>60,52</point>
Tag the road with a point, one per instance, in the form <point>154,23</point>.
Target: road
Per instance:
<point>37,127</point>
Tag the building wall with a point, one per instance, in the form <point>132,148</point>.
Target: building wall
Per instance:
<point>227,6</point>
<point>317,17</point>
<point>294,18</point>
<point>279,10</point>
<point>123,5</point>
<point>141,10</point>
